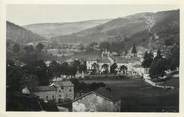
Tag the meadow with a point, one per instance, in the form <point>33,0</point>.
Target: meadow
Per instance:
<point>139,96</point>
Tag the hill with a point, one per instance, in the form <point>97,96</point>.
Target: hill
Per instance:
<point>18,34</point>
<point>141,29</point>
<point>49,30</point>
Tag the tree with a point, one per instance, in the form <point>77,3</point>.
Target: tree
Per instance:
<point>169,42</point>
<point>148,59</point>
<point>81,46</point>
<point>54,69</point>
<point>29,49</point>
<point>174,57</point>
<point>93,44</point>
<point>29,55</point>
<point>104,46</point>
<point>113,68</point>
<point>39,69</point>
<point>82,67</point>
<point>29,80</point>
<point>65,68</point>
<point>158,68</point>
<point>16,48</point>
<point>105,69</point>
<point>14,74</point>
<point>72,70</point>
<point>124,69</point>
<point>39,47</point>
<point>159,56</point>
<point>76,64</point>
<point>95,68</point>
<point>134,50</point>
<point>41,72</point>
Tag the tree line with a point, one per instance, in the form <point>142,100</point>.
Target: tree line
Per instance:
<point>159,64</point>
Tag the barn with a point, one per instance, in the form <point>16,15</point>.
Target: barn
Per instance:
<point>100,100</point>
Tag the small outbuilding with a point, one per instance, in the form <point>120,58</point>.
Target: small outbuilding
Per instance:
<point>100,100</point>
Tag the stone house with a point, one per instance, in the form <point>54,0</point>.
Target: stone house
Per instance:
<point>100,100</point>
<point>121,61</point>
<point>46,92</point>
<point>90,62</point>
<point>57,91</point>
<point>102,61</point>
<point>64,90</point>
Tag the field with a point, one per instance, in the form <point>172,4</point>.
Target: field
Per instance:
<point>138,96</point>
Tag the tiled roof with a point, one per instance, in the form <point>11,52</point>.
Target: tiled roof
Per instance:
<point>44,88</point>
<point>121,60</point>
<point>102,92</point>
<point>137,66</point>
<point>126,60</point>
<point>104,60</point>
<point>135,59</point>
<point>63,83</point>
<point>107,93</point>
<point>88,57</point>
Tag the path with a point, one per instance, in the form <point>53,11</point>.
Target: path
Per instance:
<point>148,80</point>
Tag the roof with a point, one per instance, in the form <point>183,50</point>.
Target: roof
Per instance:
<point>63,83</point>
<point>106,92</point>
<point>126,60</point>
<point>44,88</point>
<point>104,60</point>
<point>137,66</point>
<point>102,92</point>
<point>133,59</point>
<point>90,58</point>
<point>121,60</point>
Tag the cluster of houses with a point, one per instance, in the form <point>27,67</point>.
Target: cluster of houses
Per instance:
<point>131,63</point>
<point>128,65</point>
<point>58,91</point>
<point>61,90</point>
<point>62,93</point>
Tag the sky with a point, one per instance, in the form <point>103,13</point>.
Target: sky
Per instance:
<point>24,14</point>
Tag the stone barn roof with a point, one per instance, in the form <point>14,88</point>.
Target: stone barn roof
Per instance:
<point>63,83</point>
<point>105,93</point>
<point>44,88</point>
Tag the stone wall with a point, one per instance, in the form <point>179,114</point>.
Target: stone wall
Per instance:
<point>94,103</point>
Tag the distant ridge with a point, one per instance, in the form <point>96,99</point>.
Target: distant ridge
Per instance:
<point>49,30</point>
<point>18,34</point>
<point>131,29</point>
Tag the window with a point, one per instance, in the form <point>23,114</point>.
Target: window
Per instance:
<point>70,90</point>
<point>47,97</point>
<point>52,96</point>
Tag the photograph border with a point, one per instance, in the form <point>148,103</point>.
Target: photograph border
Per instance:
<point>3,111</point>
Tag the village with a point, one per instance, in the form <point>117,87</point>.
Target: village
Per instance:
<point>61,91</point>
<point>117,63</point>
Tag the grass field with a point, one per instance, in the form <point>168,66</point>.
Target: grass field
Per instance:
<point>138,96</point>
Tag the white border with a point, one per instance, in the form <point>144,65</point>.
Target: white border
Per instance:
<point>3,4</point>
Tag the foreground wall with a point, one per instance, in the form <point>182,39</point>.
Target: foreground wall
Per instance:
<point>94,103</point>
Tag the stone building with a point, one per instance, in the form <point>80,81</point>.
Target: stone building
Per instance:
<point>46,92</point>
<point>57,91</point>
<point>64,90</point>
<point>90,62</point>
<point>100,100</point>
